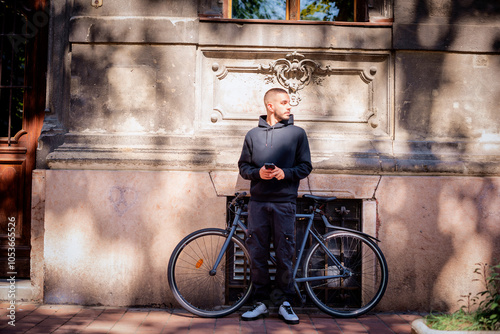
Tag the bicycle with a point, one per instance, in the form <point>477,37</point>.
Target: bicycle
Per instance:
<point>344,272</point>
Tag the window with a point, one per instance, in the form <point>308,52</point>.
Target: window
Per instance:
<point>342,12</point>
<point>305,10</point>
<point>12,66</point>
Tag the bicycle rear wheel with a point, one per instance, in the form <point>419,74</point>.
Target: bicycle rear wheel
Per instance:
<point>348,296</point>
<point>208,294</point>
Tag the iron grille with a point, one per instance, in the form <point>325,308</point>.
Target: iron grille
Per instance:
<point>14,35</point>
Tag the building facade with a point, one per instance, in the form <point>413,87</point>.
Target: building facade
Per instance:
<point>147,104</point>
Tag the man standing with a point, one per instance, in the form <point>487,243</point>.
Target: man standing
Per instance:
<point>275,157</point>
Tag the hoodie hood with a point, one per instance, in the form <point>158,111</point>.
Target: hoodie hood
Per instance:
<point>269,129</point>
<point>263,122</point>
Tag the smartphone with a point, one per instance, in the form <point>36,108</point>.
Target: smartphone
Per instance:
<point>269,165</point>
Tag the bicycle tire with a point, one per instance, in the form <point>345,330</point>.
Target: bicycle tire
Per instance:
<point>354,295</point>
<point>189,276</point>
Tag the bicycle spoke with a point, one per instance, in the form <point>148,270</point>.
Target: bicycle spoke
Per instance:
<point>354,292</point>
<point>194,286</point>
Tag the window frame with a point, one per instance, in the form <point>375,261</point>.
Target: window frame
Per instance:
<point>374,12</point>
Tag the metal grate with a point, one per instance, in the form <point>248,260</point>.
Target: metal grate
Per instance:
<point>13,37</point>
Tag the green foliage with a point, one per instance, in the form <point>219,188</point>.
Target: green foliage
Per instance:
<point>459,320</point>
<point>487,314</point>
<point>327,10</point>
<point>259,9</point>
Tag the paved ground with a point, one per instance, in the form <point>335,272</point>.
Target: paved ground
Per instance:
<point>35,318</point>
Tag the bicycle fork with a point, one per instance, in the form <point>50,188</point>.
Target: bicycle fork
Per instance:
<point>225,246</point>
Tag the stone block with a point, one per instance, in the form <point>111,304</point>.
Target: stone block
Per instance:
<point>176,8</point>
<point>109,235</point>
<point>433,232</point>
<point>446,26</point>
<point>272,35</point>
<point>133,29</point>
<point>37,271</point>
<point>133,89</point>
<point>450,114</point>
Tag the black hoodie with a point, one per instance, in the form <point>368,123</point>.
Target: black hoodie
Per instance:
<point>283,144</point>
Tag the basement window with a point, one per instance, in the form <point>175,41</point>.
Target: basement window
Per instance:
<point>342,212</point>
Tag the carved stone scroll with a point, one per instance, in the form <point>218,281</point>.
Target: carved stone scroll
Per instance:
<point>293,72</point>
<point>343,93</point>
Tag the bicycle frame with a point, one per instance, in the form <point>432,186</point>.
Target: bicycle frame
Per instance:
<point>343,272</point>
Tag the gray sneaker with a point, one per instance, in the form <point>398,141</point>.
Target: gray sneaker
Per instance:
<point>259,310</point>
<point>286,313</point>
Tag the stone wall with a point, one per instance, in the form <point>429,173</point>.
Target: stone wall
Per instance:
<point>110,241</point>
<point>150,90</point>
<point>147,109</point>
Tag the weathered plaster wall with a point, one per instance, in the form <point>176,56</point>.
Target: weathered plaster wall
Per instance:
<point>110,241</point>
<point>446,91</point>
<point>434,230</point>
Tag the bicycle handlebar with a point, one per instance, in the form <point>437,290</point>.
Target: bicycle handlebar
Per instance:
<point>238,197</point>
<point>317,199</point>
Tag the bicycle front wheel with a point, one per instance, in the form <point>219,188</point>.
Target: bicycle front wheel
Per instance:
<point>350,294</point>
<point>197,286</point>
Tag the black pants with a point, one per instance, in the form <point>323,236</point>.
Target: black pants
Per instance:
<point>268,220</point>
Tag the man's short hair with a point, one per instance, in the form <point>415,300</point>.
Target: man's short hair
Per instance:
<point>272,92</point>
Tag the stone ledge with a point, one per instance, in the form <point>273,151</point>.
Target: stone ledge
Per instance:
<point>226,159</point>
<point>436,37</point>
<point>24,291</point>
<point>293,36</point>
<point>117,29</point>
<point>226,183</point>
<point>221,153</point>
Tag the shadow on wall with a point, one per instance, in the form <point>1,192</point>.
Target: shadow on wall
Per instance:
<point>433,232</point>
<point>110,241</point>
<point>432,88</point>
<point>435,229</point>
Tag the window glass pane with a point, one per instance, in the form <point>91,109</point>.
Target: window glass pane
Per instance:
<point>325,10</point>
<point>259,9</point>
<point>12,53</point>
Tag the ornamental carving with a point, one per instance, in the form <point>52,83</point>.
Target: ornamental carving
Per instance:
<point>293,73</point>
<point>330,92</point>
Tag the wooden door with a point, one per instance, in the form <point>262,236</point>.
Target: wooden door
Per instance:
<point>23,51</point>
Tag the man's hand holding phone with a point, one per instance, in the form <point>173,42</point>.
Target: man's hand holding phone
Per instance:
<point>270,171</point>
<point>269,166</point>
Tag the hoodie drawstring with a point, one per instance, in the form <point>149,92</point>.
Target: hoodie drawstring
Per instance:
<point>267,131</point>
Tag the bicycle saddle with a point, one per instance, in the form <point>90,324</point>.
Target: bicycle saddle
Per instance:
<point>321,199</point>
